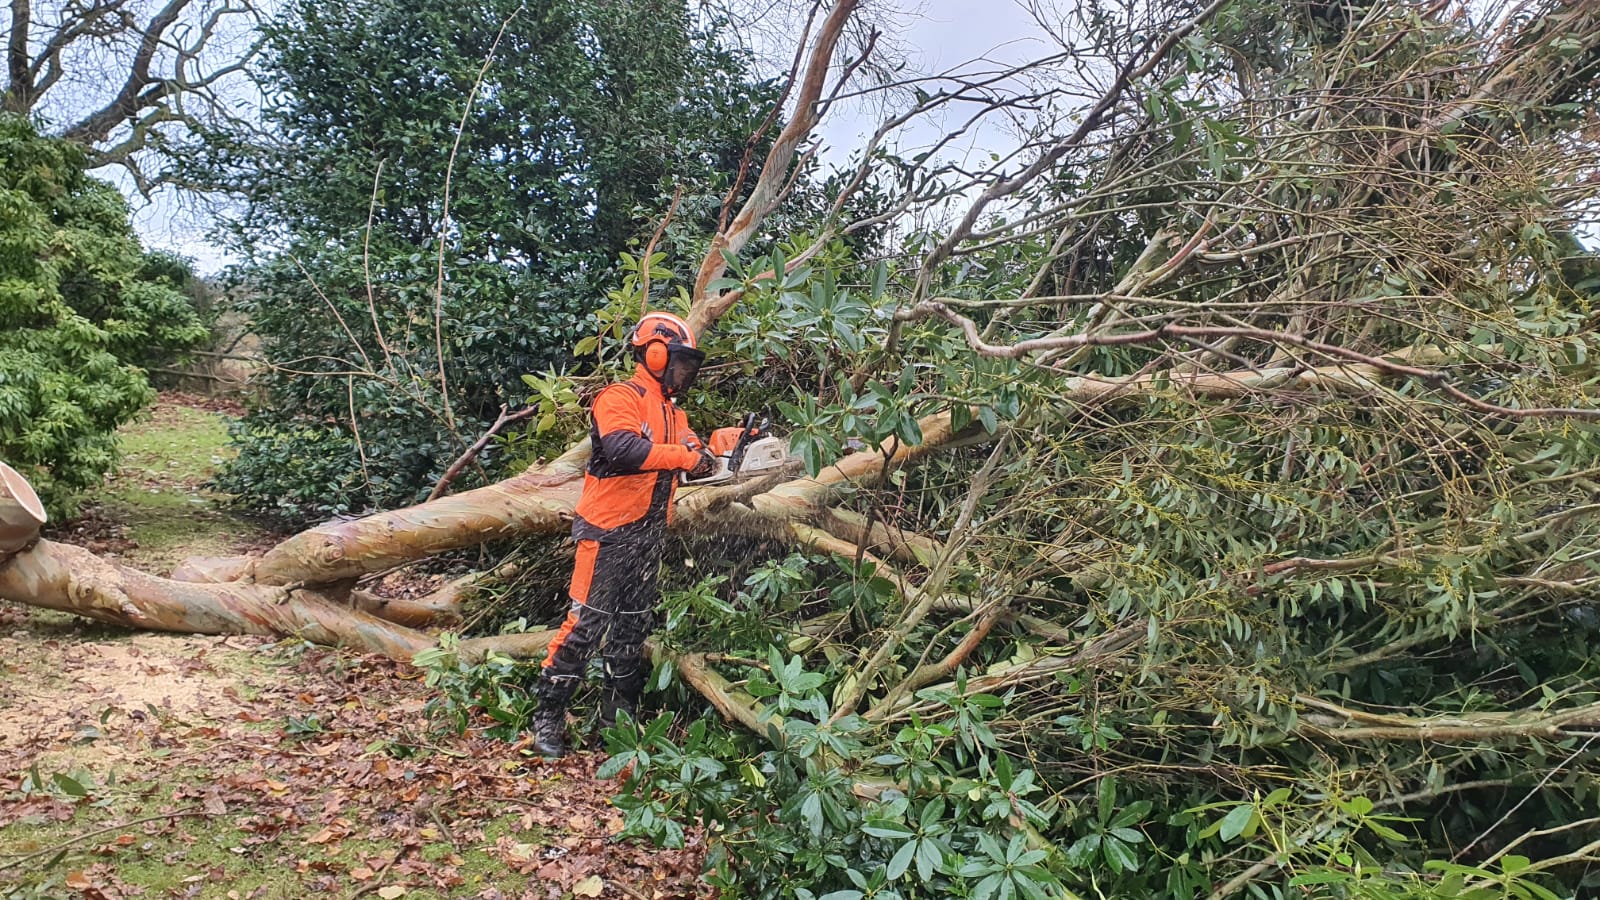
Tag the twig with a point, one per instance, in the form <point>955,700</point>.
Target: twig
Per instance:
<point>627,890</point>
<point>179,814</point>
<point>650,249</point>
<point>377,877</point>
<point>355,426</point>
<point>1529,796</point>
<point>335,310</point>
<point>366,268</point>
<point>471,453</point>
<point>1438,379</point>
<point>444,222</point>
<point>181,373</point>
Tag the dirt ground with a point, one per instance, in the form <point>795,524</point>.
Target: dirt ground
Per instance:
<point>63,684</point>
<point>137,764</point>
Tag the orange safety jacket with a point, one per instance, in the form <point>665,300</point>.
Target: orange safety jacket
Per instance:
<point>637,439</point>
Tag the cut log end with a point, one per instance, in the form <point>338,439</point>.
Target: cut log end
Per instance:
<point>21,512</point>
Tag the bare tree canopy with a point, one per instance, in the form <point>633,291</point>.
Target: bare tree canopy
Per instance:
<point>129,79</point>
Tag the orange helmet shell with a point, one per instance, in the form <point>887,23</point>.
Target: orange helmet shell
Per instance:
<point>663,327</point>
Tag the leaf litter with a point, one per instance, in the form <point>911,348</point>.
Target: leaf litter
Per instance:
<point>319,770</point>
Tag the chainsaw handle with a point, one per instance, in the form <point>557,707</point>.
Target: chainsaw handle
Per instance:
<point>746,435</point>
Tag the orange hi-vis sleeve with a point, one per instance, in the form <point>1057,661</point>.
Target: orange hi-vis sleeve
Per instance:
<point>620,419</point>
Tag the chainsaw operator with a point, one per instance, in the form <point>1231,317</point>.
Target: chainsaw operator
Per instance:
<point>639,443</point>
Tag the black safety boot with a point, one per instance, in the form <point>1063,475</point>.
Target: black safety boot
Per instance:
<point>624,684</point>
<point>550,719</point>
<point>550,730</point>
<point>613,703</point>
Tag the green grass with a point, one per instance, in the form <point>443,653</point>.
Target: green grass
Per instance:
<point>227,857</point>
<point>159,492</point>
<point>176,439</point>
<point>211,847</point>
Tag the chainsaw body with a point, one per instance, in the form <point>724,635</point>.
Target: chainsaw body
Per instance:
<point>743,452</point>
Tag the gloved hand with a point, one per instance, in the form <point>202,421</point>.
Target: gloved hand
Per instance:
<point>705,466</point>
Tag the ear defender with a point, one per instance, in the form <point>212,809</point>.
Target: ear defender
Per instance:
<point>654,338</point>
<point>655,356</point>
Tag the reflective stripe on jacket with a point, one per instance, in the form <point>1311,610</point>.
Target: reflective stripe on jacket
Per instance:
<point>637,437</point>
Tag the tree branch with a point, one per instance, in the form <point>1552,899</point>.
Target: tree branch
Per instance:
<point>774,171</point>
<point>471,453</point>
<point>95,127</point>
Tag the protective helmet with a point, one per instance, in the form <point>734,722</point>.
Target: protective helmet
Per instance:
<point>665,345</point>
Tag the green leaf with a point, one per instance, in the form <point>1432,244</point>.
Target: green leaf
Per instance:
<point>68,785</point>
<point>613,767</point>
<point>1321,877</point>
<point>1127,835</point>
<point>929,859</point>
<point>1119,855</point>
<point>1131,813</point>
<point>901,861</point>
<point>1234,823</point>
<point>1083,850</point>
<point>1107,795</point>
<point>1384,831</point>
<point>1511,863</point>
<point>882,829</point>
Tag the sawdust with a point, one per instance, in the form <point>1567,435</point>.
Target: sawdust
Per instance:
<point>55,690</point>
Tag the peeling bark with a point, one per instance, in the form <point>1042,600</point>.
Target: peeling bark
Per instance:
<point>71,579</point>
<point>432,611</point>
<point>539,501</point>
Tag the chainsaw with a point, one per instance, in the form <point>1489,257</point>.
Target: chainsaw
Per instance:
<point>743,452</point>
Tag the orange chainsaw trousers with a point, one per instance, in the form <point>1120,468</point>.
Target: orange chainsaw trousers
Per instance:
<point>614,592</point>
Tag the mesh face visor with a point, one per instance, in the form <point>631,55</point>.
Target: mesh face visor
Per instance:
<point>683,367</point>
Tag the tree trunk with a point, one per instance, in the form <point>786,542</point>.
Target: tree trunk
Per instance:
<point>60,576</point>
<point>301,587</point>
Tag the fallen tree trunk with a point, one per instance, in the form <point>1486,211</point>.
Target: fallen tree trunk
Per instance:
<point>71,579</point>
<point>539,501</point>
<point>293,590</point>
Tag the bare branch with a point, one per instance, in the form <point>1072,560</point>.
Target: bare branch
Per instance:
<point>139,90</point>
<point>774,172</point>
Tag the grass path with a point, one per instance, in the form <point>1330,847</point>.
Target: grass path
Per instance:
<point>152,765</point>
<point>156,511</point>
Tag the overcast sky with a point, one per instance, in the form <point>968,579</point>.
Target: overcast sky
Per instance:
<point>937,36</point>
<point>931,35</point>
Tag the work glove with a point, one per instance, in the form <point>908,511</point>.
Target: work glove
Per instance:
<point>705,466</point>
